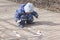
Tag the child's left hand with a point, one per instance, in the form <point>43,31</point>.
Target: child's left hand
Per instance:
<point>36,16</point>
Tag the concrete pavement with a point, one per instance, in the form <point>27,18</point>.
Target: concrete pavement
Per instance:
<point>48,23</point>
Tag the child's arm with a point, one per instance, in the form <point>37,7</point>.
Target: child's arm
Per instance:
<point>17,15</point>
<point>35,14</point>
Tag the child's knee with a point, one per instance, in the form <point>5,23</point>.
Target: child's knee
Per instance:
<point>30,19</point>
<point>23,17</point>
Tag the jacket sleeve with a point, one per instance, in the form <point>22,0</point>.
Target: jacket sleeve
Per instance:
<point>19,12</point>
<point>17,15</point>
<point>35,14</point>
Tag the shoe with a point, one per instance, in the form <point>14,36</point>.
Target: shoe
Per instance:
<point>21,26</point>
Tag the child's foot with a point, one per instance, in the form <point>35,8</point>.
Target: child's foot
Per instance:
<point>22,26</point>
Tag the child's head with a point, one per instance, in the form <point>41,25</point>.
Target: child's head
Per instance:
<point>29,7</point>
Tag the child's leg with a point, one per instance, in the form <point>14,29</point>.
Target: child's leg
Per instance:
<point>23,19</point>
<point>30,20</point>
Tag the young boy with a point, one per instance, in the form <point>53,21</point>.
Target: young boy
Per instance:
<point>25,14</point>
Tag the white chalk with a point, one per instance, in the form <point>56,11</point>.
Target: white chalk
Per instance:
<point>18,35</point>
<point>38,32</point>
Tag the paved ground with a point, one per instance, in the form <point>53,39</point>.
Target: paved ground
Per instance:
<point>48,23</point>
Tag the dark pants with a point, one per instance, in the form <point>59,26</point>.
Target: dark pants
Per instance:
<point>25,19</point>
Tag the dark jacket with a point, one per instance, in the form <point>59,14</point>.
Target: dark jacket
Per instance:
<point>20,11</point>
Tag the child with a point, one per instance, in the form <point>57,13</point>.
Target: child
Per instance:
<point>25,14</point>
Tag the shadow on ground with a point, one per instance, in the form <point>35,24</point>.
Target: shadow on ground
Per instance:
<point>44,23</point>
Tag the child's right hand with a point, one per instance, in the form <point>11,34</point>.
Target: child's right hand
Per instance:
<point>18,21</point>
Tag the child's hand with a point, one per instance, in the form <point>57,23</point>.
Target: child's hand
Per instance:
<point>18,21</point>
<point>36,16</point>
